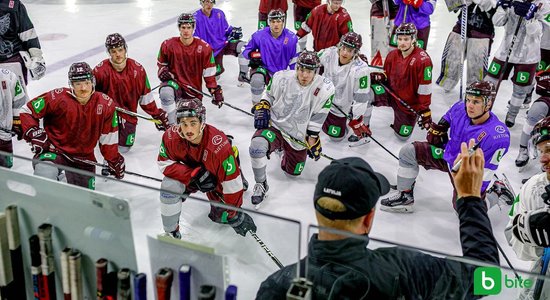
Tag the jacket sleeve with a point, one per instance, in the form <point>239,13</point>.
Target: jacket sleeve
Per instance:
<point>321,109</point>
<point>229,177</point>
<point>346,25</point>
<point>209,69</point>
<point>26,33</point>
<point>20,97</point>
<point>493,151</point>
<point>34,110</point>
<point>424,79</point>
<point>307,24</point>
<point>162,58</point>
<point>250,46</point>
<point>108,140</point>
<point>146,100</point>
<point>361,92</point>
<point>169,166</point>
<point>501,16</point>
<point>427,7</point>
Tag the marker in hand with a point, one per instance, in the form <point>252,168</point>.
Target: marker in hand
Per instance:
<point>470,152</point>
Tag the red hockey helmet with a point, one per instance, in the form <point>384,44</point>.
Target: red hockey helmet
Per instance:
<point>115,40</point>
<point>484,89</point>
<point>543,83</point>
<point>276,14</point>
<point>186,18</point>
<point>80,71</point>
<point>541,131</point>
<point>352,40</point>
<point>190,108</point>
<point>406,29</point>
<point>308,60</point>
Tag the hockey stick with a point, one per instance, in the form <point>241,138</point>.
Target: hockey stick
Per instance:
<point>514,39</point>
<point>301,143</point>
<point>101,274</point>
<point>544,268</point>
<point>349,117</point>
<point>66,273</point>
<point>266,249</point>
<point>185,282</point>
<point>124,288</point>
<point>399,99</point>
<point>6,272</point>
<point>47,260</point>
<point>17,286</point>
<point>8,131</point>
<point>75,274</point>
<point>140,287</point>
<point>387,22</point>
<point>133,114</point>
<point>224,103</point>
<point>463,32</point>
<point>163,283</point>
<point>34,247</point>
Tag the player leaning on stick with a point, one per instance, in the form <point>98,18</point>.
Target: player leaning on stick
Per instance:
<point>468,119</point>
<point>294,103</point>
<point>195,156</point>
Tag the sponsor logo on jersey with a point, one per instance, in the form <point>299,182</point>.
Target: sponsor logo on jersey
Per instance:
<point>18,88</point>
<point>105,96</point>
<point>332,192</point>
<point>162,150</point>
<point>285,41</point>
<point>4,23</point>
<point>216,140</point>
<point>299,168</point>
<point>497,157</point>
<point>5,71</point>
<point>428,73</point>
<point>437,152</point>
<point>58,91</point>
<point>328,103</point>
<point>199,49</point>
<point>316,92</point>
<point>229,165</point>
<point>220,147</point>
<point>99,110</point>
<point>269,135</point>
<point>38,105</point>
<point>547,18</point>
<point>500,129</point>
<point>364,82</point>
<point>114,122</point>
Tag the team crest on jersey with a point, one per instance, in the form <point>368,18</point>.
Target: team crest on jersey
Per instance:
<point>199,49</point>
<point>216,140</point>
<point>99,109</point>
<point>5,71</point>
<point>58,91</point>
<point>105,96</point>
<point>500,129</point>
<point>412,61</point>
<point>205,155</point>
<point>316,92</point>
<point>285,41</point>
<point>4,23</point>
<point>219,15</point>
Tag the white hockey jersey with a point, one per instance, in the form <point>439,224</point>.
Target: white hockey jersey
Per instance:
<point>527,46</point>
<point>296,109</point>
<point>529,199</point>
<point>351,81</point>
<point>12,98</point>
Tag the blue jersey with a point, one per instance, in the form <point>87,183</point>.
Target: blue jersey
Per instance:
<point>277,53</point>
<point>214,29</point>
<point>493,134</point>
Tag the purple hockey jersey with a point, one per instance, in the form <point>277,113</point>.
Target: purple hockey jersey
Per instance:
<point>213,30</point>
<point>277,53</point>
<point>420,17</point>
<point>494,135</point>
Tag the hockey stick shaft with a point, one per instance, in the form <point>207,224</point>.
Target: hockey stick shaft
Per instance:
<point>231,292</point>
<point>225,103</point>
<point>506,259</point>
<point>17,286</point>
<point>8,131</point>
<point>266,249</point>
<point>133,114</point>
<point>140,287</point>
<point>394,95</point>
<point>6,272</point>
<point>75,272</point>
<point>163,283</point>
<point>65,273</point>
<point>463,32</point>
<point>34,247</point>
<point>302,143</point>
<point>512,43</point>
<point>124,287</point>
<point>100,273</point>
<point>93,163</point>
<point>46,255</point>
<point>185,282</point>
<point>544,268</point>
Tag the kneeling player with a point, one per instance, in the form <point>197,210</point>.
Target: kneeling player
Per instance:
<point>195,156</point>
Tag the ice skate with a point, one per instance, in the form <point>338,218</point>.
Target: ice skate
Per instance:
<point>523,158</point>
<point>355,141</point>
<point>400,202</point>
<point>500,189</point>
<point>259,193</point>
<point>174,234</point>
<point>242,79</point>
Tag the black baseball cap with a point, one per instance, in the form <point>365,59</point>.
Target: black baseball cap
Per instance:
<point>353,182</point>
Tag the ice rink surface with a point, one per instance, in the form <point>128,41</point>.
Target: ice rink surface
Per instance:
<point>75,30</point>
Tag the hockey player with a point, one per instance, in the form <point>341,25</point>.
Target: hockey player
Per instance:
<point>125,80</point>
<point>525,54</point>
<point>417,12</point>
<point>302,8</point>
<point>186,60</point>
<point>539,110</point>
<point>195,156</point>
<point>409,75</point>
<point>12,98</point>
<point>270,50</point>
<point>327,24</point>
<point>380,30</point>
<point>74,121</point>
<point>544,62</point>
<point>212,27</point>
<point>479,37</point>
<point>268,5</point>
<point>471,119</point>
<point>350,76</point>
<point>292,110</point>
<point>528,231</point>
<point>19,44</point>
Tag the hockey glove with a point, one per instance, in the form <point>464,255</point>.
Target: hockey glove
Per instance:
<point>203,180</point>
<point>526,10</point>
<point>359,128</point>
<point>504,3</point>
<point>165,74</point>
<point>425,119</point>
<point>414,3</point>
<point>217,96</point>
<point>378,77</point>
<point>255,59</point>
<point>242,223</point>
<point>314,151</point>
<point>16,127</point>
<point>533,228</point>
<point>38,138</point>
<point>117,167</point>
<point>235,34</point>
<point>34,62</point>
<point>163,118</point>
<point>262,114</point>
<point>437,135</point>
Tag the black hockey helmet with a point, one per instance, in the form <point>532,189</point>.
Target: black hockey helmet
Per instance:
<point>541,131</point>
<point>309,60</point>
<point>276,14</point>
<point>485,89</point>
<point>190,108</point>
<point>186,18</point>
<point>543,83</point>
<point>80,71</point>
<point>115,40</point>
<point>406,29</point>
<point>352,40</point>
<point>211,1</point>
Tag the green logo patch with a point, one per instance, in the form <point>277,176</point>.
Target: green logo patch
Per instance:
<point>487,281</point>
<point>364,82</point>
<point>378,89</point>
<point>542,65</point>
<point>162,150</point>
<point>229,165</point>
<point>262,24</point>
<point>147,84</point>
<point>297,25</point>
<point>91,183</point>
<point>494,68</point>
<point>350,26</point>
<point>173,84</point>
<point>47,156</point>
<point>393,40</point>
<point>299,168</point>
<point>334,130</point>
<point>328,103</point>
<point>269,84</point>
<point>421,44</point>
<point>405,130</point>
<point>38,105</point>
<point>547,18</point>
<point>212,60</point>
<point>18,89</point>
<point>497,156</point>
<point>437,152</point>
<point>428,73</point>
<point>130,139</point>
<point>114,121</point>
<point>269,135</point>
<point>522,77</point>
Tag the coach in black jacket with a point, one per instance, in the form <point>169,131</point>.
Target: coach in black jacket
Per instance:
<point>343,268</point>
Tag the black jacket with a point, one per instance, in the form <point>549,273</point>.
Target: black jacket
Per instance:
<point>346,269</point>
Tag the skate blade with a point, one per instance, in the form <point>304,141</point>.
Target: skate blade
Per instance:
<point>360,142</point>
<point>398,209</point>
<point>257,206</point>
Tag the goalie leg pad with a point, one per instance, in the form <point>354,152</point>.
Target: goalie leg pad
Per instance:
<point>450,62</point>
<point>478,59</point>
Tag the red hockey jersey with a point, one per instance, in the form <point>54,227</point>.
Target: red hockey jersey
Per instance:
<point>307,3</point>
<point>73,128</point>
<point>189,64</point>
<point>410,78</point>
<point>327,29</point>
<point>127,88</point>
<point>178,158</point>
<point>267,5</point>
